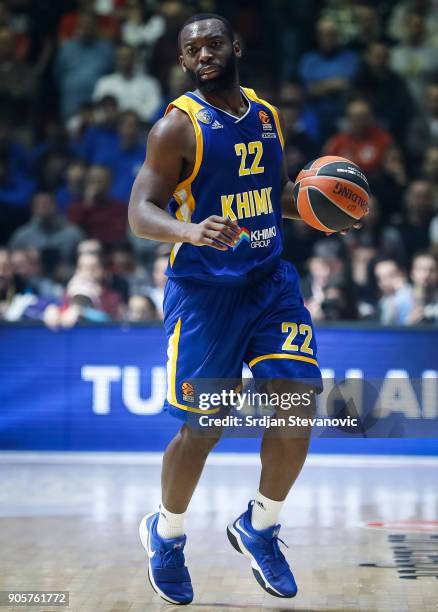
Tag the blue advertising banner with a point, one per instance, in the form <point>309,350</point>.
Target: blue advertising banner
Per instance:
<point>102,388</point>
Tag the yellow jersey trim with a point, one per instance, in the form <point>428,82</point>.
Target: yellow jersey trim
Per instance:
<point>282,356</point>
<point>186,206</point>
<point>172,354</point>
<point>251,94</point>
<point>190,107</point>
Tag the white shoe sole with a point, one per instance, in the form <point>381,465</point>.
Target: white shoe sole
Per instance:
<point>144,534</point>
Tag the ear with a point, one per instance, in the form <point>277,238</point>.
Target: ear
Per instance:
<point>237,48</point>
<point>181,62</point>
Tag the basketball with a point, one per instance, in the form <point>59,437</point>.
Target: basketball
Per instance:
<point>331,193</point>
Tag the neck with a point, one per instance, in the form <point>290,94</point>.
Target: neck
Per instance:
<point>230,100</point>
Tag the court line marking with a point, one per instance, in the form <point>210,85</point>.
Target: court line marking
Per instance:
<point>216,458</point>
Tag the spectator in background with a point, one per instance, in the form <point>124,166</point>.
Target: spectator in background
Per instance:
<point>81,304</point>
<point>300,147</point>
<point>132,88</point>
<point>78,124</point>
<point>327,74</point>
<point>17,185</point>
<point>396,301</point>
<point>368,27</point>
<point>430,172</point>
<point>423,130</point>
<point>291,40</point>
<point>73,189</point>
<point>27,288</point>
<point>292,94</point>
<point>339,303</point>
<point>99,215</point>
<point>390,184</point>
<point>8,288</point>
<point>141,309</point>
<point>363,255</point>
<point>79,63</point>
<point>30,275</point>
<point>138,32</point>
<point>126,158</point>
<point>101,135</point>
<point>126,269</point>
<point>90,246</point>
<point>51,169</point>
<point>397,23</point>
<point>413,231</point>
<point>15,154</point>
<point>320,272</point>
<point>415,59</point>
<point>17,82</point>
<point>48,231</point>
<point>385,91</point>
<point>165,48</point>
<point>159,278</point>
<point>424,276</point>
<point>90,268</point>
<point>178,83</point>
<point>363,141</point>
<point>16,190</point>
<point>8,22</point>
<point>106,16</point>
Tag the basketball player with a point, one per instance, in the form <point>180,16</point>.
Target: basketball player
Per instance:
<point>216,163</point>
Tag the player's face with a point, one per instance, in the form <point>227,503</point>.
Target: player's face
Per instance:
<point>209,56</point>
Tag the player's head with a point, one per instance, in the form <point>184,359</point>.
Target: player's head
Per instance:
<point>209,52</point>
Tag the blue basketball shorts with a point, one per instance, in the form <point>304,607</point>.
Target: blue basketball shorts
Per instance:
<point>213,330</point>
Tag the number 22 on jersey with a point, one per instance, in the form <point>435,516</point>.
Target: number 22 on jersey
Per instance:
<point>244,151</point>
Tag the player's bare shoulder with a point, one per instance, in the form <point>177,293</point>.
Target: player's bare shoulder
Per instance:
<point>174,135</point>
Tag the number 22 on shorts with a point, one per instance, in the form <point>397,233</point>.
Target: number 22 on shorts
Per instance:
<point>292,329</point>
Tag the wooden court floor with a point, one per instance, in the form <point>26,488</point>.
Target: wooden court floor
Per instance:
<point>71,524</point>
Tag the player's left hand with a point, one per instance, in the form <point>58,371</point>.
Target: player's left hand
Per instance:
<point>354,226</point>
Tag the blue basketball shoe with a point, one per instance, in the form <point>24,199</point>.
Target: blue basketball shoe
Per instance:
<point>270,568</point>
<point>167,572</point>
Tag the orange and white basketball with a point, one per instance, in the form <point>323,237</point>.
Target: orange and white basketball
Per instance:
<point>331,193</point>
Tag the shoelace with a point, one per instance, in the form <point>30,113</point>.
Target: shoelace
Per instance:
<point>172,558</point>
<point>276,548</point>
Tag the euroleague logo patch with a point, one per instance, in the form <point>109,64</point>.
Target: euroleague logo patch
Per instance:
<point>205,116</point>
<point>266,125</point>
<point>264,117</point>
<point>188,391</point>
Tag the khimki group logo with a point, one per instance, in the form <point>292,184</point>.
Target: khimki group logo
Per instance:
<point>243,235</point>
<point>257,238</point>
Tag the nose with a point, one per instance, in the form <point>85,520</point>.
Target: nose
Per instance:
<point>205,54</point>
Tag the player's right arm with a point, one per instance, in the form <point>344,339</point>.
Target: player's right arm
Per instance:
<point>171,151</point>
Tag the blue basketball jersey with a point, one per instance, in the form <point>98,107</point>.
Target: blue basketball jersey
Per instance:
<point>237,174</point>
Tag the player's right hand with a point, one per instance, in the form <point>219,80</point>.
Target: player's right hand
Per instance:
<point>217,232</point>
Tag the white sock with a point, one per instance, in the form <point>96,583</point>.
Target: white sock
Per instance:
<point>265,512</point>
<point>170,525</point>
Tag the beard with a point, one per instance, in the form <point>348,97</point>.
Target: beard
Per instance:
<point>224,80</point>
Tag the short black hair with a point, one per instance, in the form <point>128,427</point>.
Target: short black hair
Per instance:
<point>204,16</point>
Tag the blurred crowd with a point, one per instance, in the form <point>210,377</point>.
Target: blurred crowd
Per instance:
<point>82,81</point>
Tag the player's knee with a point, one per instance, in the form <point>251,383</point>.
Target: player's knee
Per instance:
<point>200,441</point>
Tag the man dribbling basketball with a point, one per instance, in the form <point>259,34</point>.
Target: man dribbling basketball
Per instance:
<point>216,162</point>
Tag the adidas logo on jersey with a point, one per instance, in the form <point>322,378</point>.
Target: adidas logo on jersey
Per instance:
<point>216,125</point>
